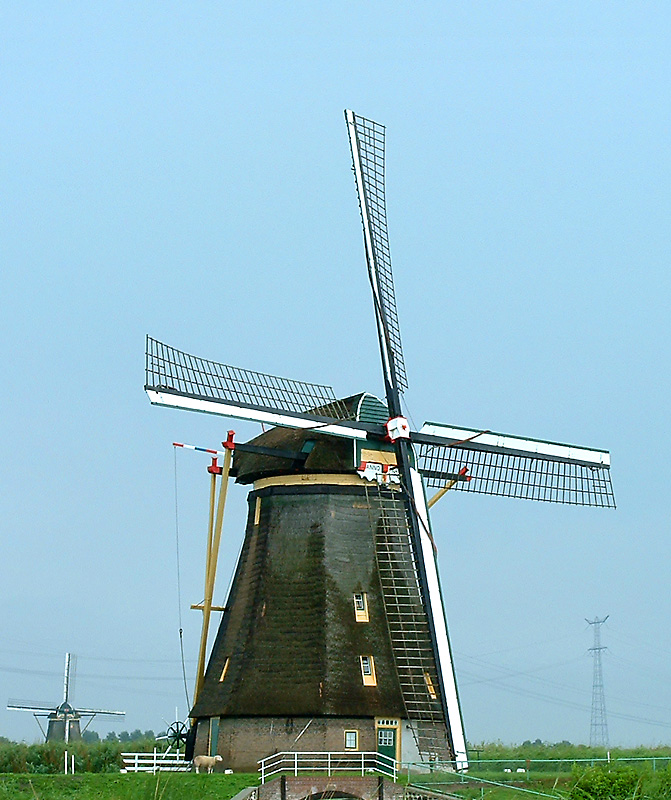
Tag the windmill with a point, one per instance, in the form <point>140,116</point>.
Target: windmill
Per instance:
<point>64,720</point>
<point>334,633</point>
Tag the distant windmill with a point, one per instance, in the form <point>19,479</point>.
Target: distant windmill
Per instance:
<point>334,633</point>
<point>63,718</point>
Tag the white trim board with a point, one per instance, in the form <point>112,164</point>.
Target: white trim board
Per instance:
<point>504,442</point>
<point>437,611</point>
<point>254,415</point>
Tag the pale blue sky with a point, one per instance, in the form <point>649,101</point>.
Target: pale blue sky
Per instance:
<point>183,170</point>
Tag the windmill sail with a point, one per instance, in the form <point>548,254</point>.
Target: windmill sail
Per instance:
<point>178,379</point>
<point>367,143</point>
<point>438,737</point>
<point>27,705</point>
<point>514,466</point>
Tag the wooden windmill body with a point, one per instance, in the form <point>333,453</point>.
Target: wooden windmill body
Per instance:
<point>304,655</point>
<point>334,635</point>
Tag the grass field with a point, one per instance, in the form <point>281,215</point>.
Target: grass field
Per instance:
<point>92,786</point>
<point>180,786</point>
<point>573,772</point>
<point>591,783</point>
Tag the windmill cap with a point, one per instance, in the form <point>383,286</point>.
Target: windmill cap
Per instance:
<point>314,452</point>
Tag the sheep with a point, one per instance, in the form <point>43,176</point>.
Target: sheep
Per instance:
<point>206,762</point>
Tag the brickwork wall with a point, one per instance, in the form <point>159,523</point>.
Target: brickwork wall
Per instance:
<point>297,788</point>
<point>243,742</point>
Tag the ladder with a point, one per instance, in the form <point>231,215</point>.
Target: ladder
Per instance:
<point>408,624</point>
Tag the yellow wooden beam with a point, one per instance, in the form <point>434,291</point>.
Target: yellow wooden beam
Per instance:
<point>211,570</point>
<point>210,525</point>
<point>441,492</point>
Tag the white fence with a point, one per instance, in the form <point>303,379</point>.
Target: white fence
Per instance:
<point>360,763</point>
<point>154,762</point>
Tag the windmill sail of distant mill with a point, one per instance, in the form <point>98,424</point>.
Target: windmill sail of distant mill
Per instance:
<point>64,719</point>
<point>353,453</point>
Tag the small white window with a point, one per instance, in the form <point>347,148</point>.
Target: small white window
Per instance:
<point>361,607</point>
<point>351,740</point>
<point>385,738</point>
<point>368,670</point>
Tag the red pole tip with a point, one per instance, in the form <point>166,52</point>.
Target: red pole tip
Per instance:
<point>214,468</point>
<point>229,444</point>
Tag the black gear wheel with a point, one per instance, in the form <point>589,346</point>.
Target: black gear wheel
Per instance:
<point>176,734</point>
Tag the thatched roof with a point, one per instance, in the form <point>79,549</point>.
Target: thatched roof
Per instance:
<point>291,639</point>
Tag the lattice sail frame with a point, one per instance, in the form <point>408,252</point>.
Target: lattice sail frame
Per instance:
<point>510,466</point>
<point>172,371</point>
<point>367,144</point>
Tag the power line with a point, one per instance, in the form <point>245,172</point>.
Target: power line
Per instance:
<point>42,654</point>
<point>501,682</point>
<point>179,591</point>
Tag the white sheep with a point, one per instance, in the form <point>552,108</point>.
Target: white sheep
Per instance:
<point>206,762</point>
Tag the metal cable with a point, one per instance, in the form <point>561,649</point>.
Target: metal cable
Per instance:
<point>179,588</point>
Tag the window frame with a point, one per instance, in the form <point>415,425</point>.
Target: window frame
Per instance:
<point>361,614</point>
<point>387,734</point>
<point>355,734</point>
<point>368,674</point>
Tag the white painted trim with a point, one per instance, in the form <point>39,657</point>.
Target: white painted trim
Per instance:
<point>255,415</point>
<point>440,626</point>
<point>504,442</point>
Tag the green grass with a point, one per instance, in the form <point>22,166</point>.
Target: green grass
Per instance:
<point>92,786</point>
<point>560,750</point>
<point>615,781</point>
<point>585,783</point>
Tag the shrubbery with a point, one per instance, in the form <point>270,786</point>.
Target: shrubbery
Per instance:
<point>566,751</point>
<point>603,783</point>
<point>606,782</point>
<point>48,758</point>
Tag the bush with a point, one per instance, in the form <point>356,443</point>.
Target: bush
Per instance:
<point>48,758</point>
<point>604,783</point>
<point>660,784</point>
<point>13,757</point>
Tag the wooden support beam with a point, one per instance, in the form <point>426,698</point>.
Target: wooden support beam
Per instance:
<point>441,492</point>
<point>214,540</point>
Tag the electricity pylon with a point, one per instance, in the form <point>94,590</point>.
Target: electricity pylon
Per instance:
<point>598,731</point>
